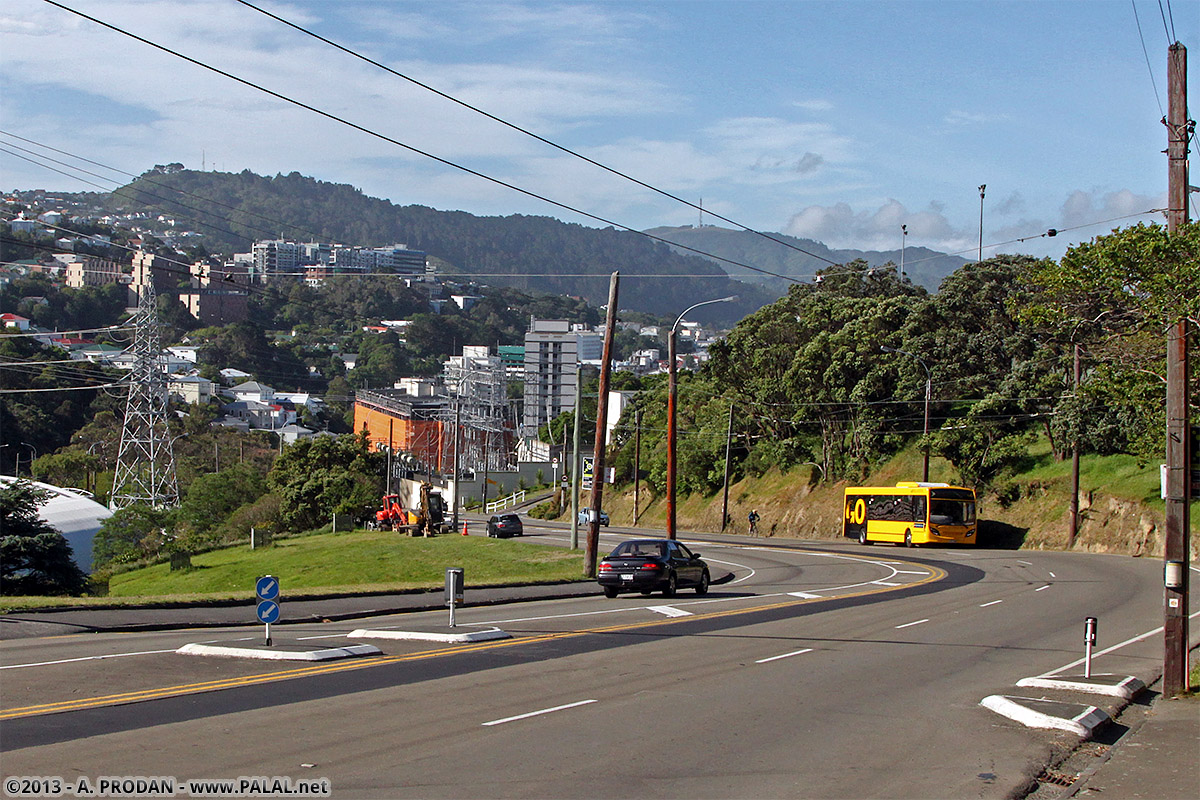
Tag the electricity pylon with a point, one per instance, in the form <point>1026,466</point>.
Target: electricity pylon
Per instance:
<point>146,464</point>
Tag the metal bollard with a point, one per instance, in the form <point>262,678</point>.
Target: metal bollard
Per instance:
<point>1089,641</point>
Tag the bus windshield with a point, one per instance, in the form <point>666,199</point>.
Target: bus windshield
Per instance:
<point>951,512</point>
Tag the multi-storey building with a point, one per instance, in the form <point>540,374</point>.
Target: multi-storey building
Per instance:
<point>553,348</point>
<point>91,271</point>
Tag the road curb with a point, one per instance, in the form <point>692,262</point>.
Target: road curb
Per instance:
<point>326,654</point>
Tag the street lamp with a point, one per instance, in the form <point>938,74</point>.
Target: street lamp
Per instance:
<point>903,241</point>
<point>35,455</point>
<point>928,388</point>
<point>672,369</point>
<point>982,188</point>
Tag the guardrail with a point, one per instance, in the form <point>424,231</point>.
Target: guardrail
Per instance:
<point>505,502</point>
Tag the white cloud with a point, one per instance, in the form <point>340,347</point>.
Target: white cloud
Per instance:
<point>962,118</point>
<point>841,226</point>
<point>814,105</point>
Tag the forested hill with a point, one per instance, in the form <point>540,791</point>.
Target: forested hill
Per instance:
<point>541,254</point>
<point>923,266</point>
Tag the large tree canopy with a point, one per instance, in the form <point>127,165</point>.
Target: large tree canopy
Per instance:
<point>35,558</point>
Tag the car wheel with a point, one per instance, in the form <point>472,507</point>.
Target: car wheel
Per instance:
<point>908,539</point>
<point>610,591</point>
<point>862,536</point>
<point>702,586</point>
<point>646,592</point>
<point>671,587</point>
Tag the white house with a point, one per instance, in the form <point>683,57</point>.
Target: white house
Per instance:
<point>190,389</point>
<point>252,390</point>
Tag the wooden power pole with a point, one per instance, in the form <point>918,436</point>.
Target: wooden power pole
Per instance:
<point>1178,548</point>
<point>593,534</point>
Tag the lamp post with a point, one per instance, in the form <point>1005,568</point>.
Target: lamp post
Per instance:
<point>35,455</point>
<point>982,187</point>
<point>903,242</point>
<point>672,369</point>
<point>928,388</point>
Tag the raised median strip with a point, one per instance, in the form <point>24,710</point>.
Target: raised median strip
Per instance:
<point>282,653</point>
<point>1036,712</point>
<point>1123,686</point>
<point>446,635</point>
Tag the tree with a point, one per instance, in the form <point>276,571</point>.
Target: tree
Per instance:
<point>135,532</point>
<point>35,558</point>
<point>1116,296</point>
<point>326,474</point>
<point>214,497</point>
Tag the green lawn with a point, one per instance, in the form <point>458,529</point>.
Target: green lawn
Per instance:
<point>355,561</point>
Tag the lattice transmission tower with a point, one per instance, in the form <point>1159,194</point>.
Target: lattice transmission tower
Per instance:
<point>146,464</point>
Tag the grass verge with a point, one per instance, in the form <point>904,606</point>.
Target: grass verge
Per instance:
<point>335,563</point>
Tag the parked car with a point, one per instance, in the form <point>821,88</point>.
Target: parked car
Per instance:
<point>647,565</point>
<point>505,525</point>
<point>585,517</point>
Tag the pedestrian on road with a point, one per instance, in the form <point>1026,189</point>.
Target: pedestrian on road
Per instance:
<point>754,523</point>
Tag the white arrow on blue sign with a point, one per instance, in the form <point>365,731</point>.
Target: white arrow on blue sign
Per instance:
<point>267,587</point>
<point>268,611</point>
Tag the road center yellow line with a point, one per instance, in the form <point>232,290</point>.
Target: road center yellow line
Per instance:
<point>179,690</point>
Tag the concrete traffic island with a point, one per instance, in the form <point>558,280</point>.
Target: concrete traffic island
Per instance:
<point>291,651</point>
<point>1108,684</point>
<point>1039,712</point>
<point>432,633</point>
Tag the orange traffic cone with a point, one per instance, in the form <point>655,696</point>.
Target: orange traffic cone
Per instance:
<point>465,528</point>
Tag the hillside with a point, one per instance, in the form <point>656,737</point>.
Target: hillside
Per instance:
<point>541,254</point>
<point>1119,508</point>
<point>923,266</point>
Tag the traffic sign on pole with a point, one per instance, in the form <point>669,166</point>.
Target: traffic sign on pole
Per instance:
<point>268,611</point>
<point>266,589</point>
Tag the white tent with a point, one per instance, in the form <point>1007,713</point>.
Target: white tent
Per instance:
<point>75,514</point>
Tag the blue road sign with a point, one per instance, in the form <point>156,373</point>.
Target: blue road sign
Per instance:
<point>267,588</point>
<point>268,611</point>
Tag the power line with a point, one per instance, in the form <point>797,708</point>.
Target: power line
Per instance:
<point>530,133</point>
<point>411,148</point>
<point>1146,53</point>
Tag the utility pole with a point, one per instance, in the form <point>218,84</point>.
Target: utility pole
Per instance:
<point>593,537</point>
<point>637,463</point>
<point>454,456</point>
<point>1073,530</point>
<point>575,457</point>
<point>725,487</point>
<point>672,391</point>
<point>1178,547</point>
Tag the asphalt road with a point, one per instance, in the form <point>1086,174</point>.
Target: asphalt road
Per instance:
<point>815,670</point>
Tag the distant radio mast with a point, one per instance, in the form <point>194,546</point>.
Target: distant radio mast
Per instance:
<point>146,464</point>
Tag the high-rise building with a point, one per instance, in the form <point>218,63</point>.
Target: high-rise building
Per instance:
<point>553,348</point>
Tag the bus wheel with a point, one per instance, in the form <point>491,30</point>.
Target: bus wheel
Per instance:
<point>908,539</point>
<point>862,536</point>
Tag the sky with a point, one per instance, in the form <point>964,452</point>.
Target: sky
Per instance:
<point>834,121</point>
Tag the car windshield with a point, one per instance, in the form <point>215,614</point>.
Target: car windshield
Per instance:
<point>639,550</point>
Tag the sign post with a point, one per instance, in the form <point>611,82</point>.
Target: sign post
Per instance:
<point>267,591</point>
<point>454,589</point>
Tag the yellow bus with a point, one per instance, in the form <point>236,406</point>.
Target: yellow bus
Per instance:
<point>910,513</point>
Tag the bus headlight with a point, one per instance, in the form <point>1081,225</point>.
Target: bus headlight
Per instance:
<point>970,533</point>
